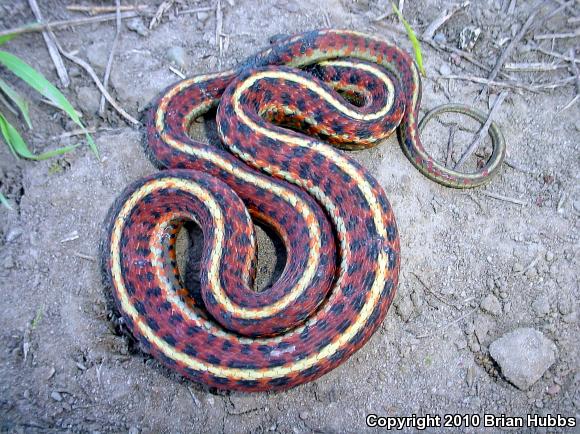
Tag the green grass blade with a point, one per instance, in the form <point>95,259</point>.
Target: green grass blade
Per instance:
<point>6,134</point>
<point>412,38</point>
<point>18,146</point>
<point>20,102</point>
<point>6,38</point>
<point>92,144</point>
<point>38,82</point>
<point>5,202</point>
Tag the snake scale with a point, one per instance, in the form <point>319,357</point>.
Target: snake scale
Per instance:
<point>277,113</point>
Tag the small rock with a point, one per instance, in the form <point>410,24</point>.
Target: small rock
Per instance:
<point>490,284</point>
<point>138,26</point>
<point>541,305</point>
<point>491,304</point>
<point>304,415</point>
<point>13,234</point>
<point>470,376</point>
<point>473,344</point>
<point>565,306</point>
<point>416,299</point>
<point>89,99</point>
<point>445,69</point>
<point>460,343</point>
<point>440,38</point>
<point>523,355</point>
<point>292,7</point>
<point>517,268</point>
<point>56,396</point>
<point>8,262</point>
<point>203,16</point>
<point>177,56</point>
<point>553,390</point>
<point>481,327</point>
<point>133,430</point>
<point>532,272</point>
<point>98,54</point>
<point>50,373</point>
<point>405,308</point>
<point>455,59</point>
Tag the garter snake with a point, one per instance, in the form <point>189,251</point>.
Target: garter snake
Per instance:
<point>276,114</point>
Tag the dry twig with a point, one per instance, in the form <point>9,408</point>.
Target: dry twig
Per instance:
<point>568,35</point>
<point>444,326</point>
<point>219,16</point>
<point>93,75</point>
<point>39,27</point>
<point>504,55</point>
<point>161,10</point>
<point>102,105</point>
<point>511,84</point>
<point>452,130</point>
<point>434,294</point>
<point>483,131</point>
<point>577,77</point>
<point>195,10</point>
<point>441,19</point>
<point>94,10</point>
<point>557,55</point>
<point>504,198</point>
<point>50,44</point>
<point>177,72</point>
<point>532,67</point>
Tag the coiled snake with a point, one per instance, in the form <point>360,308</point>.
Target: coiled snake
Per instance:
<point>341,240</point>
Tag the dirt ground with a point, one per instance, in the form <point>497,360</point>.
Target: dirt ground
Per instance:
<point>474,267</point>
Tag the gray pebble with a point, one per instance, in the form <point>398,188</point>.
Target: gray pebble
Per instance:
<point>565,306</point>
<point>133,430</point>
<point>405,308</point>
<point>13,234</point>
<point>541,305</point>
<point>8,262</point>
<point>89,99</point>
<point>445,69</point>
<point>470,376</point>
<point>203,16</point>
<point>523,355</point>
<point>177,56</point>
<point>517,268</point>
<point>304,415</point>
<point>56,396</point>
<point>549,256</point>
<point>490,284</point>
<point>440,38</point>
<point>491,304</point>
<point>532,272</point>
<point>138,26</point>
<point>98,54</point>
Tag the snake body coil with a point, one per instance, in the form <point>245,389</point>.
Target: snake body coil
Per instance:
<point>341,239</point>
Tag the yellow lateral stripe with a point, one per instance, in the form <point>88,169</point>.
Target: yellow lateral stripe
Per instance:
<point>314,235</point>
